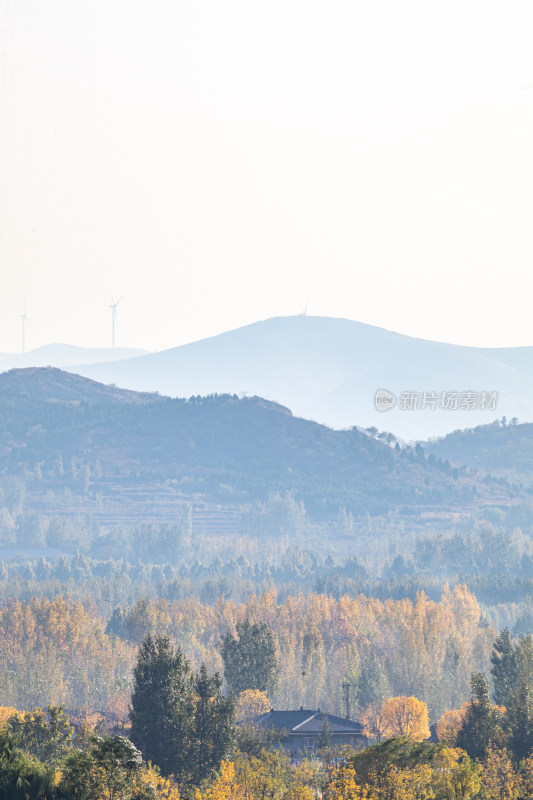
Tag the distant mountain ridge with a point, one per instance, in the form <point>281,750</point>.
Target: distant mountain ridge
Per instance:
<point>65,355</point>
<point>220,449</point>
<point>328,370</point>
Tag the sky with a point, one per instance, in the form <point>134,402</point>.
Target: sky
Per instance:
<point>216,163</point>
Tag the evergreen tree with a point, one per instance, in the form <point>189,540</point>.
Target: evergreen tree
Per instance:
<point>482,725</point>
<point>373,687</point>
<point>250,660</point>
<point>519,720</point>
<point>524,658</point>
<point>179,720</point>
<point>107,769</point>
<point>504,668</point>
<point>519,714</point>
<point>324,740</point>
<point>21,776</point>
<point>213,726</point>
<point>162,705</point>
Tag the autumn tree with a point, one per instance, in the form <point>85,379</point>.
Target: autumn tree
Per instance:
<point>454,775</point>
<point>251,703</point>
<point>268,777</point>
<point>342,785</point>
<point>406,784</point>
<point>499,780</point>
<point>271,775</point>
<point>250,660</point>
<point>48,736</point>
<point>5,713</point>
<point>450,724</point>
<point>225,787</point>
<point>372,721</point>
<point>526,777</point>
<point>405,716</point>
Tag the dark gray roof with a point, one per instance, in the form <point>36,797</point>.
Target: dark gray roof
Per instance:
<point>307,721</point>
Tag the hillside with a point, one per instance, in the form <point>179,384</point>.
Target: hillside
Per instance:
<point>50,385</point>
<point>329,369</point>
<point>499,448</point>
<point>219,449</point>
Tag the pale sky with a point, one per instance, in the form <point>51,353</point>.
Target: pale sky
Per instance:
<point>219,162</point>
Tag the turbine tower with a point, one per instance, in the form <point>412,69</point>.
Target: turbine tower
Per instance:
<point>24,319</point>
<point>113,308</point>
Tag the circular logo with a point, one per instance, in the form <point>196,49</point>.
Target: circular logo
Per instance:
<point>384,400</point>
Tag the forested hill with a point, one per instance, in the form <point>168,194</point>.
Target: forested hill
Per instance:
<point>218,448</point>
<point>502,448</point>
<point>35,385</point>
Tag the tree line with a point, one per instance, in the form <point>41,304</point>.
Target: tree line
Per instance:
<point>183,740</point>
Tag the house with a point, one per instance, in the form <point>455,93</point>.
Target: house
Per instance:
<point>303,729</point>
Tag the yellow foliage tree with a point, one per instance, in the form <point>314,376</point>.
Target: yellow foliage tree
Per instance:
<point>450,723</point>
<point>252,703</point>
<point>499,781</point>
<point>342,785</point>
<point>225,786</point>
<point>164,788</point>
<point>371,719</point>
<point>5,713</point>
<point>406,784</point>
<point>405,716</point>
<point>270,776</point>
<point>455,775</point>
<point>299,793</point>
<point>526,777</point>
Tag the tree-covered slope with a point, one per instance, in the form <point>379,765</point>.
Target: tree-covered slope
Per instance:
<point>215,447</point>
<point>501,448</point>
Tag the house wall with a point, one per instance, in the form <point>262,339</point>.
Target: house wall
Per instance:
<point>296,743</point>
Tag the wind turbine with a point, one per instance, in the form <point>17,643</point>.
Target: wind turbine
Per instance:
<point>113,308</point>
<point>24,319</point>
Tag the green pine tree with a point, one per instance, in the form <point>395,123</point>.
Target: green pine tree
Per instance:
<point>162,704</point>
<point>21,776</point>
<point>519,720</point>
<point>179,720</point>
<point>373,686</point>
<point>324,740</point>
<point>250,660</point>
<point>482,725</point>
<point>504,668</point>
<point>213,728</point>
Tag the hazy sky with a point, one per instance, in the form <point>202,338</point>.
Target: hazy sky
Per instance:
<point>218,162</point>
